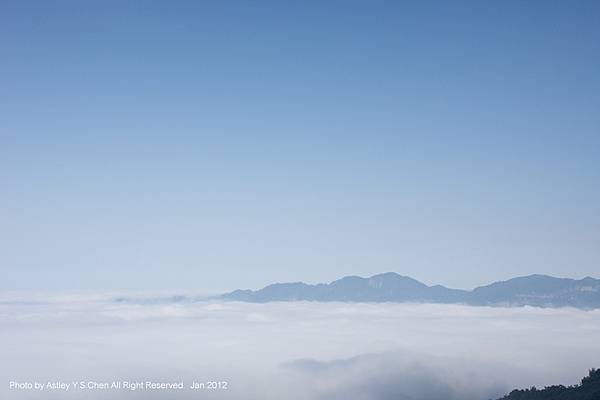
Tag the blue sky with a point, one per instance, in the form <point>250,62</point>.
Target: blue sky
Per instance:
<point>215,145</point>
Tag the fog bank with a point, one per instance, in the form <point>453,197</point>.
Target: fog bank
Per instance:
<point>293,350</point>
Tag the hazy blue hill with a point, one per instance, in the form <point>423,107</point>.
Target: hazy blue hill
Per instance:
<point>534,290</point>
<point>383,287</point>
<point>389,287</point>
<point>589,389</point>
<point>279,292</point>
<point>540,290</point>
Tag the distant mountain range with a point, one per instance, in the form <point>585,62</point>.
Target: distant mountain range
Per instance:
<point>532,290</point>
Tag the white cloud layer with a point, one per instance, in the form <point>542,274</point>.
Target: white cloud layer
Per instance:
<point>292,350</point>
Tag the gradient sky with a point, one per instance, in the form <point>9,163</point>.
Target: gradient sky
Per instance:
<point>218,144</point>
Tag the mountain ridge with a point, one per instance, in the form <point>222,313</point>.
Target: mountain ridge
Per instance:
<point>531,290</point>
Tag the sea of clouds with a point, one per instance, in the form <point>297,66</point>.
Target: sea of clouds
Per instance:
<point>295,350</point>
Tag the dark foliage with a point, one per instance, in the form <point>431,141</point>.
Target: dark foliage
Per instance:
<point>589,389</point>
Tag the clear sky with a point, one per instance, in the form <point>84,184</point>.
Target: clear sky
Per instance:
<point>221,144</point>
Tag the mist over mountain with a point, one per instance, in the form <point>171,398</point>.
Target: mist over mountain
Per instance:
<point>533,290</point>
<point>292,350</point>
